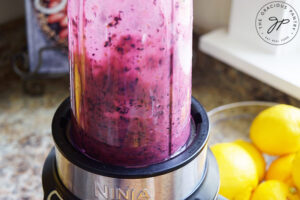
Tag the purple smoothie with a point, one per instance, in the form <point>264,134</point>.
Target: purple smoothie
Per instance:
<point>130,78</point>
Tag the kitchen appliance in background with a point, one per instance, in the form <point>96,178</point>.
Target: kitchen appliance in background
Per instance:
<point>47,35</point>
<point>262,40</point>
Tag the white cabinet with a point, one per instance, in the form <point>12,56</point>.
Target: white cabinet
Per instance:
<point>262,40</point>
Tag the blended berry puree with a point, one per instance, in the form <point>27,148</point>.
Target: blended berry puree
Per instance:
<point>130,78</point>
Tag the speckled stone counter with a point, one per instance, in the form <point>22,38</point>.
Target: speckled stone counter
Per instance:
<point>25,121</point>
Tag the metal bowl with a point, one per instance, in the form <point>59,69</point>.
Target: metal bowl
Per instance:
<point>232,121</point>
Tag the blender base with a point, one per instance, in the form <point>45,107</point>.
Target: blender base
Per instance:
<point>191,175</point>
<point>55,190</point>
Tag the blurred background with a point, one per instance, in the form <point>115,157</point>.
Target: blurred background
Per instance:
<point>28,99</point>
<point>209,14</point>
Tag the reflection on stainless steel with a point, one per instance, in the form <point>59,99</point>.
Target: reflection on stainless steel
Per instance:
<point>175,185</point>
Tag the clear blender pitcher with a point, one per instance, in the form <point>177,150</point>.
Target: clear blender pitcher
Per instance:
<point>131,64</point>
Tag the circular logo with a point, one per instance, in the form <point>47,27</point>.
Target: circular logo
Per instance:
<point>277,23</point>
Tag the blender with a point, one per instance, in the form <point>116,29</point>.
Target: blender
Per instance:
<point>130,129</point>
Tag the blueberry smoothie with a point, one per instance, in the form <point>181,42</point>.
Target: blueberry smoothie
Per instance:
<point>130,78</point>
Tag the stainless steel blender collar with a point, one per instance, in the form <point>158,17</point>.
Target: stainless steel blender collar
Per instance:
<point>174,179</point>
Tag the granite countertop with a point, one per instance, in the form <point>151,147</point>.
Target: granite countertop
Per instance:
<point>25,120</point>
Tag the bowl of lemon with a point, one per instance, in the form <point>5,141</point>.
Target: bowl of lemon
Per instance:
<point>257,147</point>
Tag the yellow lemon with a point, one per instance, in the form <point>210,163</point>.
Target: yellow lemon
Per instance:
<point>237,169</point>
<point>274,190</point>
<point>281,169</point>
<point>296,170</point>
<point>244,195</point>
<point>276,131</point>
<point>256,156</point>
